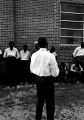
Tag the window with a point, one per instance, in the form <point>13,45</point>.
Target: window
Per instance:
<point>72,24</point>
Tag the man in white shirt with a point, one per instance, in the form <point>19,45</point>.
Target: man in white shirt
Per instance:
<point>11,51</point>
<point>78,54</point>
<point>11,54</point>
<point>79,51</point>
<point>25,57</point>
<point>43,64</point>
<point>25,54</point>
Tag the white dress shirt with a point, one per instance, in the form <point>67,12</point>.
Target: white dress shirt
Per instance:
<point>11,53</point>
<point>43,63</point>
<point>25,55</point>
<point>78,51</point>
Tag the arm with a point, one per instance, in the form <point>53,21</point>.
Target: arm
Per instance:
<point>20,55</point>
<point>17,54</point>
<point>0,52</point>
<point>5,54</point>
<point>81,69</point>
<point>75,51</point>
<point>72,68</point>
<point>54,67</point>
<point>29,55</point>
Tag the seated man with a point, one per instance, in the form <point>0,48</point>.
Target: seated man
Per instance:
<point>76,72</point>
<point>64,72</point>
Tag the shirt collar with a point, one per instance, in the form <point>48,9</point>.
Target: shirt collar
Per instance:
<point>43,49</point>
<point>10,49</point>
<point>25,51</point>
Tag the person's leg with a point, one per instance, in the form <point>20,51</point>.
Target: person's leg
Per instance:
<point>73,78</point>
<point>50,105</point>
<point>39,108</point>
<point>9,66</point>
<point>82,77</point>
<point>40,97</point>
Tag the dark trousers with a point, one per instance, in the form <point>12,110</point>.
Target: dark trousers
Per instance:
<point>75,76</point>
<point>25,71</point>
<point>45,92</point>
<point>80,59</point>
<point>11,65</point>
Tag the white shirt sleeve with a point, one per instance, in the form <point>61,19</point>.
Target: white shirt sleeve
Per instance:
<point>75,51</point>
<point>0,52</point>
<point>72,68</point>
<point>54,67</point>
<point>33,63</point>
<point>17,54</point>
<point>5,54</point>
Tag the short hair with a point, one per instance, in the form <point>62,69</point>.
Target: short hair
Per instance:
<point>24,46</point>
<point>11,43</point>
<point>42,42</point>
<point>52,49</point>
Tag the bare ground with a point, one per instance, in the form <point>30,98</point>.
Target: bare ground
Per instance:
<point>20,103</point>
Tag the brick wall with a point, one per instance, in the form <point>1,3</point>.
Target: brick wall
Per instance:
<point>34,19</point>
<point>37,18</point>
<point>24,21</point>
<point>6,23</point>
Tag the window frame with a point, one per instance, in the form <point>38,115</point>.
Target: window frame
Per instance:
<point>62,44</point>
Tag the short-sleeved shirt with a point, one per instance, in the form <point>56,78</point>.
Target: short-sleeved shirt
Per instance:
<point>11,53</point>
<point>25,55</point>
<point>78,52</point>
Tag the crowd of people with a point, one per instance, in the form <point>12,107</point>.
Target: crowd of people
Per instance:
<point>42,68</point>
<point>18,65</point>
<point>47,71</point>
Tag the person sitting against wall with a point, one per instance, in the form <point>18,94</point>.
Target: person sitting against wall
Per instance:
<point>62,72</point>
<point>11,54</point>
<point>78,54</point>
<point>76,72</point>
<point>25,57</point>
<point>52,50</point>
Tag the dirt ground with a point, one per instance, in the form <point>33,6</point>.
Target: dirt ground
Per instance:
<point>20,103</point>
